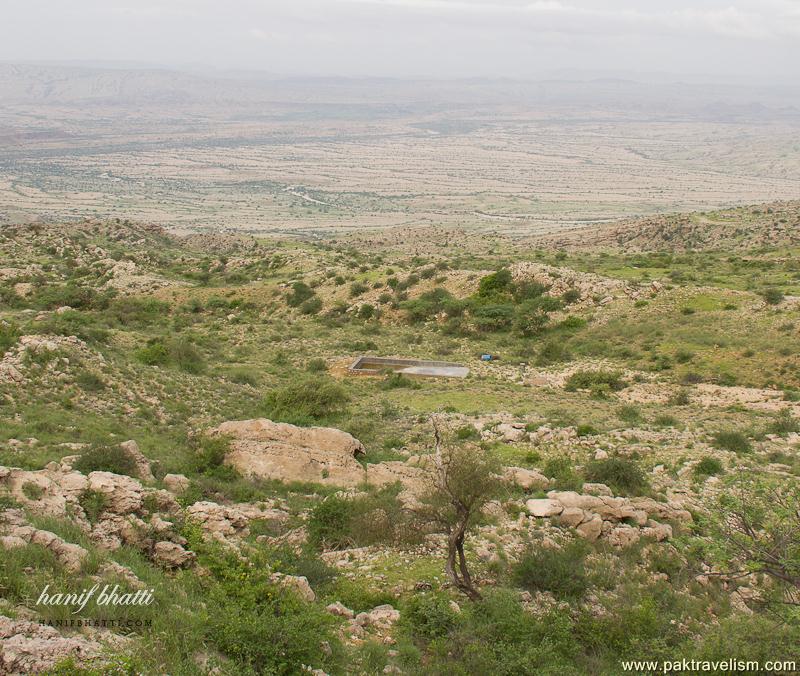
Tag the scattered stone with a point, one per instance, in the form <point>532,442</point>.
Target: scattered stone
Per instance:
<point>380,617</point>
<point>172,555</point>
<point>340,610</point>
<point>526,479</point>
<point>596,489</point>
<point>143,470</point>
<point>176,483</point>
<point>297,583</point>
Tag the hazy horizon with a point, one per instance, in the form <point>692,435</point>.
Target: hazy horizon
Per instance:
<point>743,41</point>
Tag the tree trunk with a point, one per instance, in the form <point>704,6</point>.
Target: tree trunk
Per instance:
<point>460,576</point>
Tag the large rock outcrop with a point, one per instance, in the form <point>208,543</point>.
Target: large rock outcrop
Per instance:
<point>266,449</point>
<point>30,648</point>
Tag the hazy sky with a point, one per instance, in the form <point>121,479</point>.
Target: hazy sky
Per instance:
<point>747,39</point>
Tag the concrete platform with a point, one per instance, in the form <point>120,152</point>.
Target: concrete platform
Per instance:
<point>373,366</point>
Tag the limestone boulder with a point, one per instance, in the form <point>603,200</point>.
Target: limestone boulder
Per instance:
<point>172,555</point>
<point>527,479</point>
<point>544,507</point>
<point>380,617</point>
<point>17,532</point>
<point>297,583</point>
<point>571,517</point>
<point>176,483</point>
<point>591,529</point>
<point>596,489</point>
<point>218,521</point>
<point>266,449</point>
<point>658,531</point>
<point>31,648</point>
<point>340,610</point>
<point>123,493</point>
<point>143,471</point>
<point>623,536</point>
<point>511,432</point>
<point>412,477</point>
<point>573,499</point>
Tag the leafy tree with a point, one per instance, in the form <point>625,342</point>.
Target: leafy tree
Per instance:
<point>495,284</point>
<point>757,524</point>
<point>462,480</point>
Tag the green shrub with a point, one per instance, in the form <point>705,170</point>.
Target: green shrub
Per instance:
<point>89,381</point>
<point>366,311</point>
<point>665,420</point>
<point>93,504</point>
<point>131,311</point>
<point>532,458</point>
<point>784,423</point>
<point>559,571</point>
<point>187,356</point>
<point>243,376</point>
<point>317,365</point>
<point>311,399</point>
<point>7,502</point>
<point>41,356</point>
<point>260,627</point>
<point>757,638</point>
<point>312,306</point>
<point>430,304</point>
<point>357,288</point>
<point>300,293</point>
<point>563,473</point>
<point>589,380</point>
<point>623,476</point>
<point>371,518</point>
<point>495,284</point>
<point>105,459</point>
<point>395,380</point>
<point>9,334</point>
<point>155,353</point>
<point>497,635</point>
<point>32,491</point>
<point>571,324</point>
<point>429,616</point>
<point>209,457</point>
<point>733,441</point>
<point>629,414</point>
<point>707,466</point>
<point>571,296</point>
<point>585,430</point>
<point>489,318</point>
<point>71,295</point>
<point>391,443</point>
<point>467,432</point>
<point>360,597</point>
<point>553,352</point>
<point>532,316</point>
<point>772,296</point>
<point>680,398</point>
<point>72,323</point>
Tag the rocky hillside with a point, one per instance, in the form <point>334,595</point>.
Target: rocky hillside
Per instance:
<point>768,225</point>
<point>177,420</point>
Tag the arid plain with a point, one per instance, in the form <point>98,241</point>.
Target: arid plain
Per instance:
<point>310,157</point>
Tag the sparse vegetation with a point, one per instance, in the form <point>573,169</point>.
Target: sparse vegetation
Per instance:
<point>591,386</point>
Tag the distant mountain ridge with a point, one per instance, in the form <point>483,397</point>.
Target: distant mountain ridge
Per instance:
<point>35,84</point>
